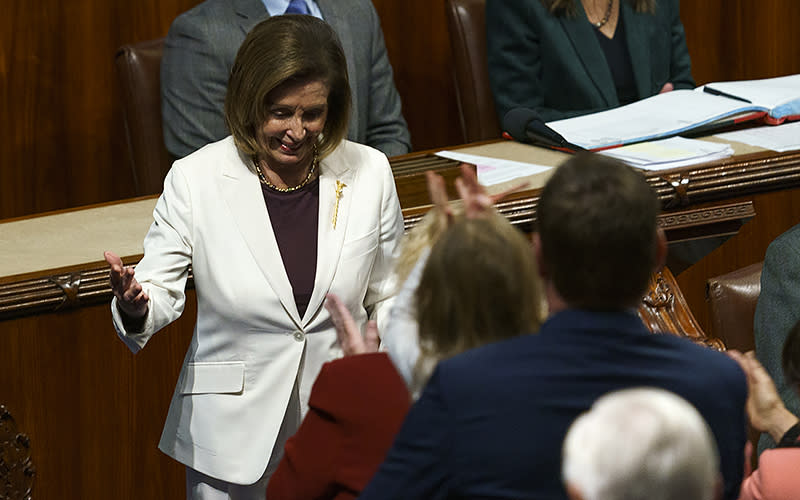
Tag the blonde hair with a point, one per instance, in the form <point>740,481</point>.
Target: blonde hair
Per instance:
<point>480,285</point>
<point>569,8</point>
<point>286,50</point>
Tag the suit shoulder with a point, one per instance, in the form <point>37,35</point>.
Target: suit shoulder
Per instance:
<point>787,241</point>
<point>200,17</point>
<point>723,368</point>
<point>209,159</point>
<point>357,11</point>
<point>365,158</point>
<point>492,354</point>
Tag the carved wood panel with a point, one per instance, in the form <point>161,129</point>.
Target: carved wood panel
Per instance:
<point>16,467</point>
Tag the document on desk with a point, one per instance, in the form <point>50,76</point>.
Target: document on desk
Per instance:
<point>657,117</point>
<point>670,153</point>
<point>493,171</point>
<point>781,95</point>
<point>785,137</point>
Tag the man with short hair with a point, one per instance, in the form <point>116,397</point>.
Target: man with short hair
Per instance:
<point>491,421</point>
<point>202,43</point>
<point>640,444</point>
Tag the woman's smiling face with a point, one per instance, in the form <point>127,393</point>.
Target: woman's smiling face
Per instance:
<point>296,115</point>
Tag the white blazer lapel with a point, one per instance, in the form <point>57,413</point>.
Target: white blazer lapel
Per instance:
<point>242,192</point>
<point>329,238</point>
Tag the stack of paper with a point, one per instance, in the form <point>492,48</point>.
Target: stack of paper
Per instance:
<point>783,138</point>
<point>710,107</point>
<point>493,171</point>
<point>670,153</point>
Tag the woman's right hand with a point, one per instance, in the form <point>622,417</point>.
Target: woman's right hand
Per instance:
<point>350,338</point>
<point>131,298</point>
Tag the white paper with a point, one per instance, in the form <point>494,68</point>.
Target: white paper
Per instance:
<point>779,138</point>
<point>658,116</point>
<point>670,153</point>
<point>769,92</point>
<point>493,170</point>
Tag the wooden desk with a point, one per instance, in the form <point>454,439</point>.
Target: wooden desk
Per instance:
<point>700,202</point>
<point>94,412</point>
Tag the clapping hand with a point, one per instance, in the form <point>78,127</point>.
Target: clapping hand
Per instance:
<point>131,298</point>
<point>347,332</point>
<point>765,408</point>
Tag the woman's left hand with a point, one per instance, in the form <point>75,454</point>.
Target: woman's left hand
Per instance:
<point>347,332</point>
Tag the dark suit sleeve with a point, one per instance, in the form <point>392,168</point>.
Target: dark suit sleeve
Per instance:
<point>194,79</point>
<point>680,64</point>
<point>514,60</point>
<point>777,311</point>
<point>417,465</point>
<point>386,128</point>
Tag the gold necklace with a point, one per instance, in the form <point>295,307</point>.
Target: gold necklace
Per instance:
<point>599,24</point>
<point>266,182</point>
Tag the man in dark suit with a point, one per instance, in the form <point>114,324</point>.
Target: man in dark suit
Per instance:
<point>491,421</point>
<point>202,44</point>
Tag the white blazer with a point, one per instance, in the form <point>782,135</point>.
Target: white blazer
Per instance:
<point>250,343</point>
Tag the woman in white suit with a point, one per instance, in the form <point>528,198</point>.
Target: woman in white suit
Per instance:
<point>271,219</point>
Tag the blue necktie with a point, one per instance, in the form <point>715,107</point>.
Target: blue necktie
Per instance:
<point>297,7</point>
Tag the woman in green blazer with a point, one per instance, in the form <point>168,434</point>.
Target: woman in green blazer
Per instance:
<point>565,58</point>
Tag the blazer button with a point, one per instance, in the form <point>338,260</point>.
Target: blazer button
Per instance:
<point>299,336</point>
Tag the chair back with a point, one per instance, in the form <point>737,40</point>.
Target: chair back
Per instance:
<point>138,66</point>
<point>466,23</point>
<point>732,299</point>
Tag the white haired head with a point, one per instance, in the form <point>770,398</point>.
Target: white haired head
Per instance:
<point>640,444</point>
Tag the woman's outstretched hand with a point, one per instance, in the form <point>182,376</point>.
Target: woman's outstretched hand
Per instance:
<point>131,298</point>
<point>347,332</point>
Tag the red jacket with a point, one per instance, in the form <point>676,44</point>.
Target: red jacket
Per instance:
<point>356,407</point>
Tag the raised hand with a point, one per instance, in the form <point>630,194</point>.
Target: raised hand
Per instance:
<point>347,332</point>
<point>764,406</point>
<point>131,298</point>
<point>477,201</point>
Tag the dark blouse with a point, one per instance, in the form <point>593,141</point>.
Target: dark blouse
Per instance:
<point>619,62</point>
<point>295,218</point>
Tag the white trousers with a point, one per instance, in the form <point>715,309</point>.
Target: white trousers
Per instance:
<point>202,487</point>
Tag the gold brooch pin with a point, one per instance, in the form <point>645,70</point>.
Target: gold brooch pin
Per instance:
<point>339,186</point>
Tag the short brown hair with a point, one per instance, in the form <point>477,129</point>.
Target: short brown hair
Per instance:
<point>480,285</point>
<point>597,221</point>
<point>284,49</point>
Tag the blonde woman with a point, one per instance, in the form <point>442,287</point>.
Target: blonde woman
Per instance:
<point>478,284</point>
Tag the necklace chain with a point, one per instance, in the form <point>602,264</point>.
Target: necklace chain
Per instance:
<point>266,182</point>
<point>599,24</point>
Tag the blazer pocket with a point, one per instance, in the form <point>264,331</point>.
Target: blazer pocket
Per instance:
<point>225,377</point>
<point>362,245</point>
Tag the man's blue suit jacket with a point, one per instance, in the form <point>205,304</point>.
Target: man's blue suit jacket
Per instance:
<point>491,422</point>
